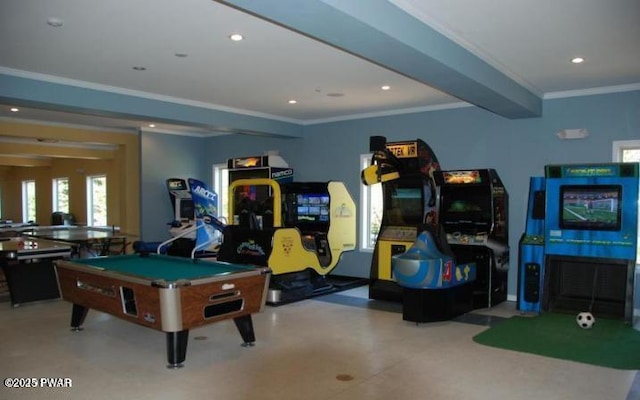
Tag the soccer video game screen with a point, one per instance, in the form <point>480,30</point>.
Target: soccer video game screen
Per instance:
<point>590,207</point>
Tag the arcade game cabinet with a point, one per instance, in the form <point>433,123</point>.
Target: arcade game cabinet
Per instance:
<point>590,239</point>
<point>195,230</point>
<point>298,229</point>
<point>405,170</point>
<point>255,201</point>
<point>531,246</point>
<point>435,287</point>
<point>208,227</point>
<point>181,228</point>
<point>473,208</point>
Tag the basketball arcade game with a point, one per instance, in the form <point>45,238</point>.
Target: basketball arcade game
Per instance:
<point>473,207</point>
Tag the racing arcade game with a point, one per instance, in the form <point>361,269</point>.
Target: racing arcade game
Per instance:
<point>253,203</point>
<point>298,229</point>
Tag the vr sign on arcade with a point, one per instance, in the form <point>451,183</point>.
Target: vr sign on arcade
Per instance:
<point>403,150</point>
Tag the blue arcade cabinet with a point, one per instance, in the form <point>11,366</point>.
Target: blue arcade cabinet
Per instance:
<point>531,255</point>
<point>591,232</point>
<point>590,238</point>
<point>435,287</point>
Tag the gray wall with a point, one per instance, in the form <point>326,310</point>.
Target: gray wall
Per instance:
<point>461,138</point>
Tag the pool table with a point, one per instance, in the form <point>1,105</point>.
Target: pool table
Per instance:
<point>27,264</point>
<point>167,293</point>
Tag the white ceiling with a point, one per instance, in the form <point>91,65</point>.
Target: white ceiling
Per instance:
<point>100,42</point>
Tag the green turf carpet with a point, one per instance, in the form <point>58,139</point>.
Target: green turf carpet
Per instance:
<point>610,343</point>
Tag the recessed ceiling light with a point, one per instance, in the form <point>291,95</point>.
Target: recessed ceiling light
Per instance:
<point>236,37</point>
<point>152,125</point>
<point>293,101</point>
<point>55,22</point>
<point>385,87</point>
<point>577,60</point>
<point>335,94</point>
<point>137,68</point>
<point>181,55</point>
<point>14,109</point>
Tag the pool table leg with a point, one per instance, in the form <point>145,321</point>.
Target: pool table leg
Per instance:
<point>245,327</point>
<point>177,348</point>
<point>78,314</point>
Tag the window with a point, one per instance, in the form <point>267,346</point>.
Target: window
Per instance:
<point>371,209</point>
<point>28,201</point>
<point>628,151</point>
<point>61,194</point>
<point>97,200</point>
<point>221,187</point>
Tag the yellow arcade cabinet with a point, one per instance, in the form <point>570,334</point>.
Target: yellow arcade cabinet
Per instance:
<point>405,170</point>
<point>310,225</point>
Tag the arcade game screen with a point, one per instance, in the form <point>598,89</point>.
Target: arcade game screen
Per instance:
<point>312,208</point>
<point>404,206</point>
<point>187,209</point>
<point>590,207</point>
<point>466,209</point>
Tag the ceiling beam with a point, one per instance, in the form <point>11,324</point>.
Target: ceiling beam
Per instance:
<point>384,34</point>
<point>29,92</point>
<point>55,151</point>
<point>81,135</point>
<point>17,161</point>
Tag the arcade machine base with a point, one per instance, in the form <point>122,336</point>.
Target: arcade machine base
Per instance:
<point>430,305</point>
<point>292,287</point>
<point>380,289</point>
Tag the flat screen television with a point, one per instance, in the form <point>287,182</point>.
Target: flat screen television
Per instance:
<point>590,207</point>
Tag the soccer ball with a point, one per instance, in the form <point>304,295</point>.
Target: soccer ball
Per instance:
<point>585,320</point>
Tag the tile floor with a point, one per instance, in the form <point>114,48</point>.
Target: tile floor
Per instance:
<point>338,347</point>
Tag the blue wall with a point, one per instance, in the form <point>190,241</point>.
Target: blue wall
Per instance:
<point>462,138</point>
<point>166,156</point>
<point>170,156</point>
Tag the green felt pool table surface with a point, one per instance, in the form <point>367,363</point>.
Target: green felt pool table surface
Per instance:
<point>168,268</point>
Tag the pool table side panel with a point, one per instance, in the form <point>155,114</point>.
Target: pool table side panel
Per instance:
<point>194,299</point>
<point>147,297</point>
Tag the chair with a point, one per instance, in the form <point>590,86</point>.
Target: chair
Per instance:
<point>61,218</point>
<point>69,219</point>
<point>57,218</point>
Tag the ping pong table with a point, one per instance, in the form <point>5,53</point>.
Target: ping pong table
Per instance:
<point>86,241</point>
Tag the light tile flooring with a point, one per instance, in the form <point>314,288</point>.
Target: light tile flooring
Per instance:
<point>337,347</point>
